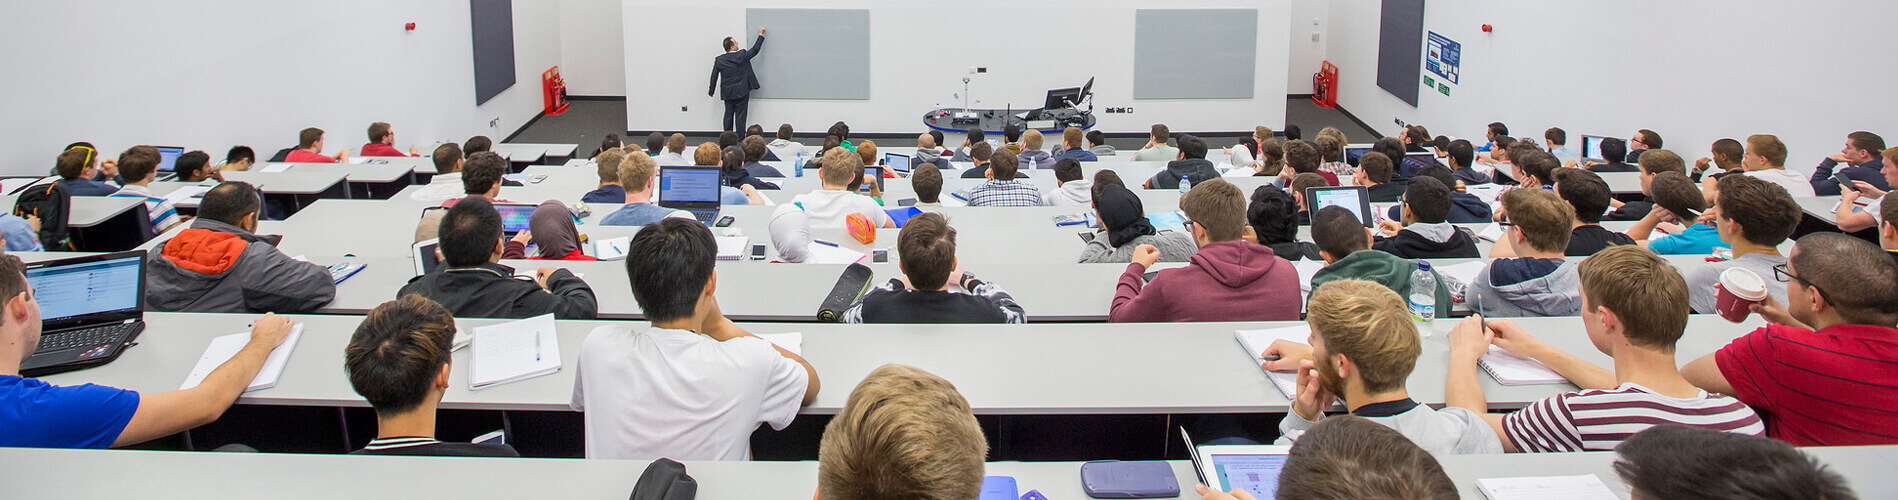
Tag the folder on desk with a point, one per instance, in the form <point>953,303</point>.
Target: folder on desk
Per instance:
<point>224,348</point>
<point>513,351</point>
<point>898,216</point>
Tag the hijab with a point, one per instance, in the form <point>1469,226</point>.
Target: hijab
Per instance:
<point>554,232</point>
<point>1122,215</point>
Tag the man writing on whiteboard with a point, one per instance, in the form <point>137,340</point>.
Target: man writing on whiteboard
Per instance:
<point>739,81</point>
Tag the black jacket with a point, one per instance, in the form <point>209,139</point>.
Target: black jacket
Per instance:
<point>1411,245</point>
<point>1296,250</point>
<point>1387,192</point>
<point>1195,170</point>
<point>739,80</point>
<point>491,291</point>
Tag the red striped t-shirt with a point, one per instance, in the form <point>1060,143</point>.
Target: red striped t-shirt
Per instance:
<point>1597,419</point>
<point>1832,387</point>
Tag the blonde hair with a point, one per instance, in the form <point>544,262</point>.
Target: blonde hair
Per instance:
<point>707,154</point>
<point>636,171</point>
<point>904,433</point>
<point>608,164</point>
<point>839,166</point>
<point>1642,289</point>
<point>1545,219</point>
<point>1368,324</point>
<point>1031,139</point>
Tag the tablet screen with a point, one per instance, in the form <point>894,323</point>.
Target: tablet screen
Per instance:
<point>1256,474</point>
<point>1351,198</point>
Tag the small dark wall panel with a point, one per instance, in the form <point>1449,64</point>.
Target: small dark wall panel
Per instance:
<point>1400,49</point>
<point>493,22</point>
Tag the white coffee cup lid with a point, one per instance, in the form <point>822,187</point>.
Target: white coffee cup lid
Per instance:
<point>1743,283</point>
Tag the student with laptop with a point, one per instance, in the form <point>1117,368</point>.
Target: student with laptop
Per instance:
<point>219,265</point>
<point>480,176</point>
<point>1190,164</point>
<point>1631,309</point>
<point>139,167</point>
<point>1003,187</point>
<point>1677,200</point>
<point>1672,461</point>
<point>472,283</point>
<point>398,359</point>
<point>1754,217</point>
<point>382,142</point>
<point>1374,173</point>
<point>1300,185</point>
<point>195,166</point>
<point>904,433</point>
<point>1156,148</point>
<point>1615,153</point>
<point>694,386</point>
<point>979,154</point>
<point>1536,280</point>
<point>446,183</point>
<point>1345,245</point>
<point>36,414</point>
<point>640,175</point>
<point>834,201</point>
<point>1124,228</point>
<point>310,149</point>
<point>1228,279</point>
<point>553,233</point>
<point>1272,214</point>
<point>1821,370</point>
<point>607,164</point>
<point>1423,233</point>
<point>927,246</point>
<point>77,167</point>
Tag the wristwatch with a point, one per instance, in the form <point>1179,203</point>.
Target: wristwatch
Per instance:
<point>966,278</point>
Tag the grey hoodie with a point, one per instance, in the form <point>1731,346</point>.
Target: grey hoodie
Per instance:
<point>927,155</point>
<point>1035,157</point>
<point>1557,294</point>
<point>1102,150</point>
<point>1071,193</point>
<point>1174,246</point>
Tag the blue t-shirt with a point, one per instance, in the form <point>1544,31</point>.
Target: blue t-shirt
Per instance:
<point>605,194</point>
<point>1699,239</point>
<point>19,234</point>
<point>35,414</point>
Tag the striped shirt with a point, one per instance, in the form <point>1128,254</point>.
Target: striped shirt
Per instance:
<point>1597,420</point>
<point>163,214</point>
<point>1832,387</point>
<point>1010,193</point>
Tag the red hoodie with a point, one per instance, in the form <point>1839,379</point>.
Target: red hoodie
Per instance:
<point>1226,281</point>
<point>380,149</point>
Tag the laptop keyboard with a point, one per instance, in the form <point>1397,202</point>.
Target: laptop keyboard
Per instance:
<point>70,339</point>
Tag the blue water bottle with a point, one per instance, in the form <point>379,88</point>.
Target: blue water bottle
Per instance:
<point>798,164</point>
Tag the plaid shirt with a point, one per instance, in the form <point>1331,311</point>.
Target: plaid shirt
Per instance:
<point>1010,193</point>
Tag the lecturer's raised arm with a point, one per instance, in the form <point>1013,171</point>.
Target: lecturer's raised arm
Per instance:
<point>756,46</point>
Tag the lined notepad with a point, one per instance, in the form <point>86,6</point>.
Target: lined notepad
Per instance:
<point>732,247</point>
<point>513,351</point>
<point>223,348</point>
<point>819,253</point>
<point>1583,487</point>
<point>1509,369</point>
<point>1255,342</point>
<point>612,248</point>
<point>1492,232</point>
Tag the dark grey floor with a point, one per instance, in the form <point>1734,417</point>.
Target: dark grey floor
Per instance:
<point>586,122</point>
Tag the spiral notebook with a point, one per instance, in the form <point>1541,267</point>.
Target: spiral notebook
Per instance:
<point>1255,342</point>
<point>224,348</point>
<point>1509,369</point>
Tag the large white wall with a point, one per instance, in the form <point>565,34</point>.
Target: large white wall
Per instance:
<point>920,51</point>
<point>592,55</point>
<point>223,72</point>
<point>1694,71</point>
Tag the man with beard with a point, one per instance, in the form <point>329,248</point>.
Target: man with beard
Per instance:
<point>1363,347</point>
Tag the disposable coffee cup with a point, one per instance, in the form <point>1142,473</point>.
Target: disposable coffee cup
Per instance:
<point>1739,290</point>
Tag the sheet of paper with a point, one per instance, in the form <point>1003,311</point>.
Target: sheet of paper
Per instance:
<point>732,247</point>
<point>512,351</point>
<point>183,196</point>
<point>271,168</point>
<point>790,341</point>
<point>1492,232</point>
<point>1306,270</point>
<point>1583,487</point>
<point>1255,342</point>
<point>826,254</point>
<point>1509,369</point>
<point>225,347</point>
<point>612,248</point>
<point>1465,272</point>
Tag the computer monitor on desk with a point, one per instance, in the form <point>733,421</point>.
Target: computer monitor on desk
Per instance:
<point>1062,98</point>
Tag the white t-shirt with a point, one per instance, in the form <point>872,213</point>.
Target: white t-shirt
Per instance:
<point>827,209</point>
<point>1797,185</point>
<point>681,395</point>
<point>440,188</point>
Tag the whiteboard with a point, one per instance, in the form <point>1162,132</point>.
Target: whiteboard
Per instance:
<point>1195,53</point>
<point>811,53</point>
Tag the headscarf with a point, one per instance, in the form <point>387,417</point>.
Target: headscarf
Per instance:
<point>791,232</point>
<point>554,232</point>
<point>1122,215</point>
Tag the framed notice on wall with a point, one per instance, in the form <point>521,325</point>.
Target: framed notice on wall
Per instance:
<point>1444,56</point>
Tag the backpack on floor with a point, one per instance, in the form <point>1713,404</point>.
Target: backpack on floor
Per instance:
<point>51,202</point>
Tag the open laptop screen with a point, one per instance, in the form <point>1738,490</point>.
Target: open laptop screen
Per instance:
<point>1354,198</point>
<point>687,185</point>
<point>514,217</point>
<point>68,291</point>
<point>1591,147</point>
<point>897,162</point>
<point>168,158</point>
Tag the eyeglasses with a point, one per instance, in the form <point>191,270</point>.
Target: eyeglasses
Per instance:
<point>1785,274</point>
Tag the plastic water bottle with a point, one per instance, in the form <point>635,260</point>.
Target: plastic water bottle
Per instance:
<point>1423,293</point>
<point>798,164</point>
<point>1185,184</point>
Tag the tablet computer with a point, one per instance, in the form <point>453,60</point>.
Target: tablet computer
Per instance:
<point>1254,469</point>
<point>1357,199</point>
<point>425,256</point>
<point>1355,152</point>
<point>897,162</point>
<point>514,216</point>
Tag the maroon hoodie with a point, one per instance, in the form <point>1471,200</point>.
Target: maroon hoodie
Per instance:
<point>1226,281</point>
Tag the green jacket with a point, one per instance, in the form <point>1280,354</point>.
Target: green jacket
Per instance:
<point>1381,267</point>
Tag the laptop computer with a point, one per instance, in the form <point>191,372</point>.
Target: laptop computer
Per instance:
<point>426,260</point>
<point>91,308</point>
<point>1357,199</point>
<point>1355,152</point>
<point>691,188</point>
<point>1591,148</point>
<point>514,216</point>
<point>168,161</point>
<point>898,162</point>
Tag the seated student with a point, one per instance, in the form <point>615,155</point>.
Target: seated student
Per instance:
<point>693,386</point>
<point>607,166</point>
<point>1532,168</point>
<point>904,433</point>
<point>1462,158</point>
<point>1374,173</point>
<point>139,167</point>
<point>732,169</point>
<point>756,152</point>
<point>1072,188</point>
<point>1672,461</point>
<point>1299,184</point>
<point>1124,229</point>
<point>219,265</point>
<point>240,158</point>
<point>927,152</point>
<point>927,247</point>
<point>611,141</point>
<point>1730,156</point>
<point>1641,142</point>
<point>1303,158</point>
<point>195,166</point>
<point>1631,309</point>
<point>1072,147</point>
<point>1589,196</point>
<point>1615,153</point>
<point>1849,217</point>
<point>817,160</point>
<point>1003,189</point>
<point>965,153</point>
<point>1754,217</point>
<point>641,174</point>
<point>1820,370</point>
<point>1156,148</point>
<point>398,359</point>
<point>1352,457</point>
<point>1677,199</point>
<point>783,146</point>
<point>1097,144</point>
<point>1271,160</point>
<point>834,201</point>
<point>1011,139</point>
<point>42,415</point>
<point>1651,165</point>
<point>1763,158</point>
<point>1345,244</point>
<point>1465,208</point>
<point>1888,226</point>
<point>1239,160</point>
<point>1537,281</point>
<point>1424,234</point>
<point>1190,165</point>
<point>20,234</point>
<point>472,284</point>
<point>382,142</point>
<point>979,154</point>
<point>674,152</point>
<point>310,149</point>
<point>1497,154</point>
<point>481,177</point>
<point>1031,155</point>
<point>1273,217</point>
<point>1331,150</point>
<point>553,233</point>
<point>1861,156</point>
<point>727,139</point>
<point>1557,140</point>
<point>446,183</point>
<point>77,167</point>
<point>655,142</point>
<point>926,181</point>
<point>1406,166</point>
<point>1363,347</point>
<point>1228,279</point>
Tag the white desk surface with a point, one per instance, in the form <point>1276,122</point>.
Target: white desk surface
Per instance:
<point>44,473</point>
<point>521,152</point>
<point>1047,369</point>
<point>560,150</point>
<point>88,211</point>
<point>1823,208</point>
<point>305,180</point>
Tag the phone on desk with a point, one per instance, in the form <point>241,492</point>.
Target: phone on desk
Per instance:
<point>879,255</point>
<point>757,251</point>
<point>725,221</point>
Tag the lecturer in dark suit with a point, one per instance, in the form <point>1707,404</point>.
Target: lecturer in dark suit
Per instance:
<point>739,80</point>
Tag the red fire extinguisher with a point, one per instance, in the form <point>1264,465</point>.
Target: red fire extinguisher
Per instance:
<point>1324,86</point>
<point>553,91</point>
